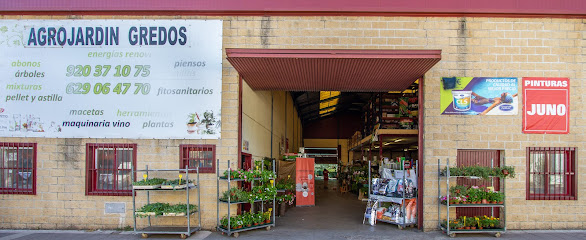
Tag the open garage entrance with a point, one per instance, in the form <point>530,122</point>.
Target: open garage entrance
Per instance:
<point>366,104</point>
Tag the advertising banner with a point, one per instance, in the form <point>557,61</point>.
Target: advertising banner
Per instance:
<point>111,78</point>
<point>304,182</point>
<point>479,96</point>
<point>546,105</point>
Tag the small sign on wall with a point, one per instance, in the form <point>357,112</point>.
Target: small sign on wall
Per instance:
<point>245,146</point>
<point>546,105</point>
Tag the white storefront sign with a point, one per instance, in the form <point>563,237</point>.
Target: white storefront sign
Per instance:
<point>111,78</point>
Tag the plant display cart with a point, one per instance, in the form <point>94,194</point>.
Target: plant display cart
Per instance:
<point>186,210</point>
<point>471,224</point>
<point>402,199</point>
<point>228,225</point>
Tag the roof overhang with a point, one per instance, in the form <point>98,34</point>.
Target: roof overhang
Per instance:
<point>331,70</point>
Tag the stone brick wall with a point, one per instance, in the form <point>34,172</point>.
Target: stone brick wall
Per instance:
<point>471,47</point>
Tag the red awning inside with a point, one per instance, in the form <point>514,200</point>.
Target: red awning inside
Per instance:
<point>331,70</point>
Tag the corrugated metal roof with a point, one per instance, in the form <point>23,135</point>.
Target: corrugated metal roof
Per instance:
<point>331,70</point>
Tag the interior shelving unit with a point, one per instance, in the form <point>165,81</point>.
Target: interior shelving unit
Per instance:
<point>390,111</point>
<point>452,232</point>
<point>185,231</point>
<point>229,203</point>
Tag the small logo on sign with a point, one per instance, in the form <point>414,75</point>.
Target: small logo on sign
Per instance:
<point>506,107</point>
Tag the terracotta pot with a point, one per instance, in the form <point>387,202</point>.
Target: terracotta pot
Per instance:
<point>479,227</point>
<point>484,201</point>
<point>267,221</point>
<point>249,225</point>
<point>461,228</point>
<point>493,202</point>
<point>466,228</point>
<point>255,224</point>
<point>500,202</point>
<point>472,227</point>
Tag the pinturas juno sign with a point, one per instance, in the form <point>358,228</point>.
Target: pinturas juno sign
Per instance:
<point>546,105</point>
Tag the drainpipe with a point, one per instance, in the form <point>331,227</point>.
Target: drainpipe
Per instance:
<point>272,103</point>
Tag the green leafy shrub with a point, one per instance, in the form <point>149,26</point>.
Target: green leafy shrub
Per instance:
<point>149,182</point>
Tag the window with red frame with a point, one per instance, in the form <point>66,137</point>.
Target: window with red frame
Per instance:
<point>109,169</point>
<point>551,173</point>
<point>199,155</point>
<point>18,168</point>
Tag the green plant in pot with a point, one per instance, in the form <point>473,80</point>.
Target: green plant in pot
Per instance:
<point>458,190</point>
<point>238,222</point>
<point>475,194</point>
<point>507,171</point>
<point>471,222</point>
<point>267,175</point>
<point>492,222</point>
<point>456,224</point>
<point>499,197</point>
<point>258,218</point>
<point>234,193</point>
<point>285,184</point>
<point>247,219</point>
<point>233,223</point>
<point>267,216</point>
<point>490,197</point>
<point>224,222</point>
<point>464,221</point>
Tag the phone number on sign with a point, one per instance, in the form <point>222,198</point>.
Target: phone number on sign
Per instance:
<point>103,70</point>
<point>104,88</point>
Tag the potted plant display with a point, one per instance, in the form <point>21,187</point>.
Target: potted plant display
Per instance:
<point>174,184</point>
<point>285,184</point>
<point>235,194</point>
<point>148,183</point>
<point>152,209</point>
<point>481,171</point>
<point>233,174</point>
<point>179,210</point>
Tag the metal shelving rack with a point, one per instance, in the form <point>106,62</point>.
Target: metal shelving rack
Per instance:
<point>401,201</point>
<point>184,231</point>
<point>236,231</point>
<point>452,232</point>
